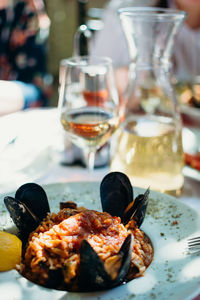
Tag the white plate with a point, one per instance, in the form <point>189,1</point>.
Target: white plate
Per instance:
<point>173,273</point>
<point>191,173</point>
<point>191,145</point>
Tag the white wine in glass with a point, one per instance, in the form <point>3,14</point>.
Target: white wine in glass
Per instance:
<point>88,103</point>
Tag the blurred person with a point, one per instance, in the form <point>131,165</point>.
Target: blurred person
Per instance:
<point>187,42</point>
<point>111,41</point>
<point>24,81</point>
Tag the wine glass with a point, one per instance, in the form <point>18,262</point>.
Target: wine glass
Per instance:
<point>88,103</point>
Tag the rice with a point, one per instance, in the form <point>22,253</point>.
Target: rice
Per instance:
<point>52,254</point>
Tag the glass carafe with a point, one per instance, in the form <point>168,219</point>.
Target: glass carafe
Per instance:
<point>148,145</point>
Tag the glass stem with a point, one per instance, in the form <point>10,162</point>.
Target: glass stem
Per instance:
<point>90,158</point>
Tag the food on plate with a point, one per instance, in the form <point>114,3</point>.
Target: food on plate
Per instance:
<point>78,249</point>
<point>189,94</point>
<point>193,160</point>
<point>10,251</point>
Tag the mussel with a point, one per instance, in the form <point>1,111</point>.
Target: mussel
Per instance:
<point>117,198</point>
<point>30,206</point>
<point>96,277</point>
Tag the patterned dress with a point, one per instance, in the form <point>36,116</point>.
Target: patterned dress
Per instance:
<point>23,49</point>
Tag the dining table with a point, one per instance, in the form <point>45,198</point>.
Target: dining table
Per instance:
<point>32,150</point>
<point>32,147</point>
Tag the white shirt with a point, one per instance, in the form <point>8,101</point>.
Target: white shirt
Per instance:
<point>111,41</point>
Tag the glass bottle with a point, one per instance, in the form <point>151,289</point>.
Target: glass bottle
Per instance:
<point>148,146</point>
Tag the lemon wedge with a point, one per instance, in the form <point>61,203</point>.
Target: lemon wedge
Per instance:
<point>10,251</point>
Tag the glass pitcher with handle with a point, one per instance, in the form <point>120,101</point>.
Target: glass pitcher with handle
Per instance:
<point>148,145</point>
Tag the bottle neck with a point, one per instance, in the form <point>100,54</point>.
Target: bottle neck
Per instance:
<point>149,55</point>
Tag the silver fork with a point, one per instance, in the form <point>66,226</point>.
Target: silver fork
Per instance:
<point>194,245</point>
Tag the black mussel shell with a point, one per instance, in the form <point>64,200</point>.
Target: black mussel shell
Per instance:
<point>35,198</point>
<point>116,193</point>
<point>95,277</point>
<point>137,211</point>
<point>68,204</point>
<point>22,216</point>
<point>55,279</point>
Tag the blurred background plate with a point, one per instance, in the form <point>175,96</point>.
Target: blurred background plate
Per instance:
<point>191,173</point>
<point>191,146</point>
<point>193,112</point>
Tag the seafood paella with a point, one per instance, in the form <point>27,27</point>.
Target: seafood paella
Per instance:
<point>78,249</point>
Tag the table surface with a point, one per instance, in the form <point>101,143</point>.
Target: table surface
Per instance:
<point>32,152</point>
<point>55,172</point>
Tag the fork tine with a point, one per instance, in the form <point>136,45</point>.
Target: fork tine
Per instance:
<point>194,238</point>
<point>194,241</point>
<point>194,245</point>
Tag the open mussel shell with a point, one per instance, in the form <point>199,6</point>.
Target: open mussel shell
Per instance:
<point>116,193</point>
<point>29,207</point>
<point>96,275</point>
<point>137,209</point>
<point>22,216</point>
<point>35,198</point>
